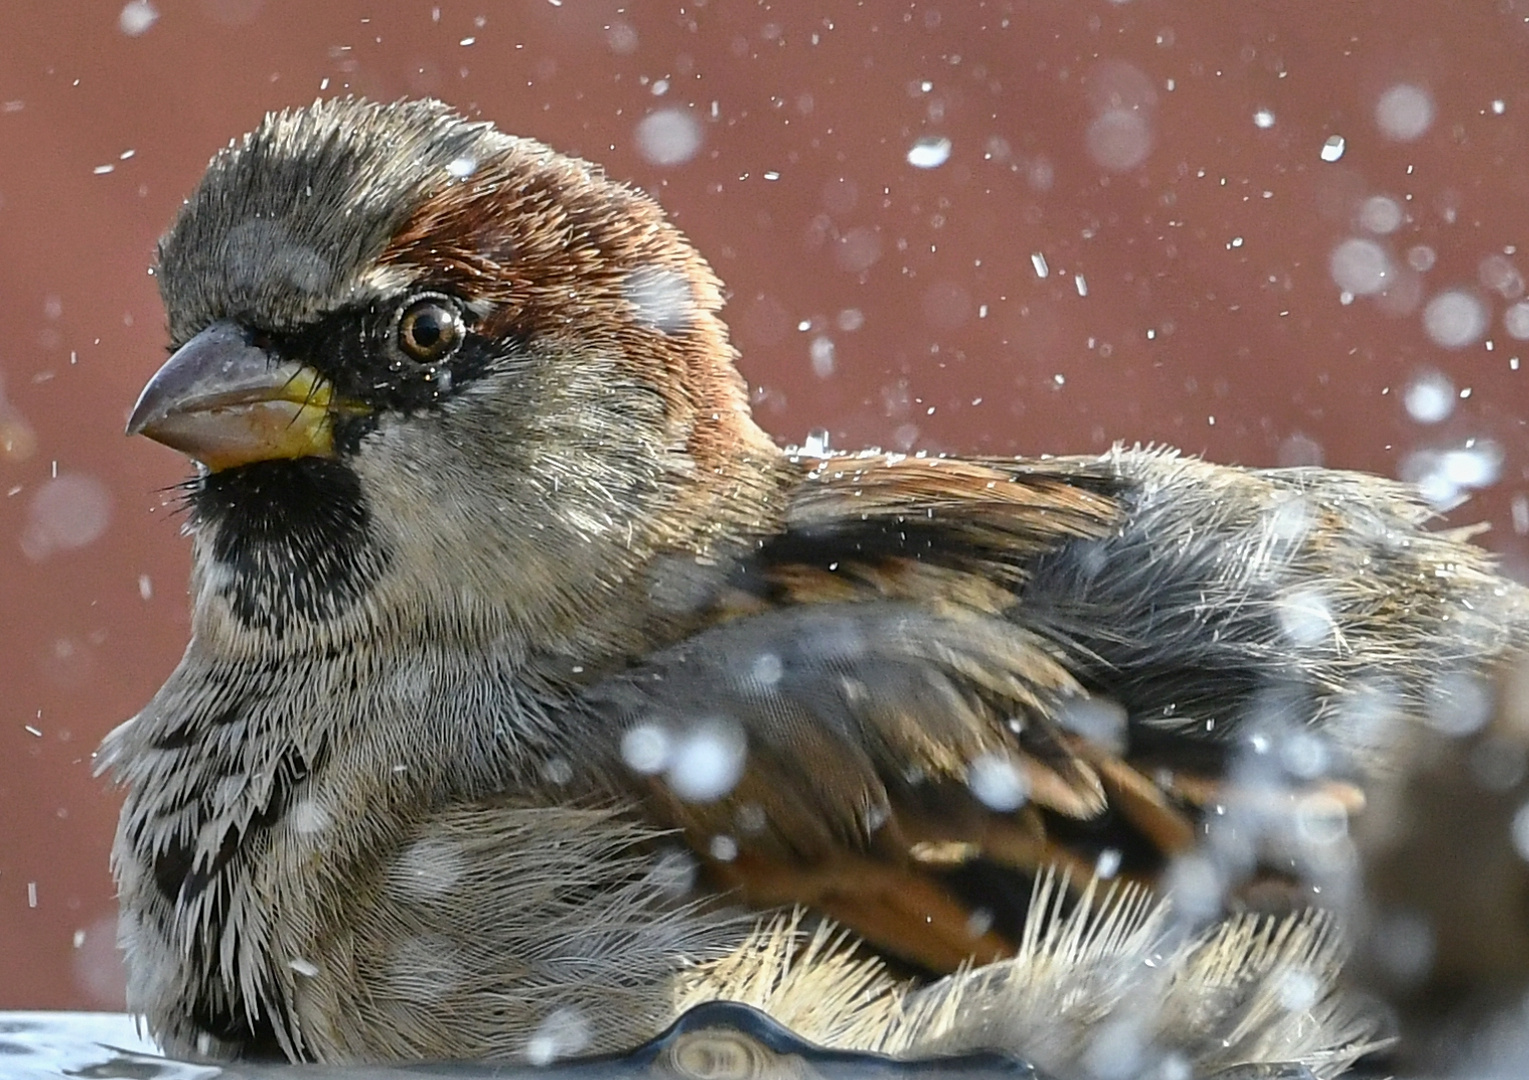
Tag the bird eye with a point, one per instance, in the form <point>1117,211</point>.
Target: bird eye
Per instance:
<point>430,330</point>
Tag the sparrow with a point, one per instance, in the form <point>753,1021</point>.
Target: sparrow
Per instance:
<point>534,693</point>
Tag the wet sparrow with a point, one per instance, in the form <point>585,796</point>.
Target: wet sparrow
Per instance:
<point>524,666</point>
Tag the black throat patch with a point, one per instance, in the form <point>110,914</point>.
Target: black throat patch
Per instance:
<point>295,537</point>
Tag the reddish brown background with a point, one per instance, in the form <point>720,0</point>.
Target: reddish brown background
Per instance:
<point>1211,320</point>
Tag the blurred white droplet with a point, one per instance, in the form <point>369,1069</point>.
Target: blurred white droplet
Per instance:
<point>1299,990</point>
<point>821,352</point>
<point>1196,886</point>
<point>668,137</point>
<point>427,869</point>
<point>1475,466</point>
<point>1119,139</point>
<point>1380,214</point>
<point>1115,1050</point>
<point>723,848</point>
<point>1304,754</point>
<point>145,587</point>
<point>557,770</point>
<point>1107,865</point>
<point>136,17</point>
<point>1499,764</point>
<point>461,168</point>
<point>621,38</point>
<point>1361,267</point>
<point>1175,1066</point>
<point>929,152</point>
<point>858,249</point>
<point>1404,112</point>
<point>308,817</point>
<point>1421,258</point>
<point>1424,468</point>
<point>997,783</point>
<point>1403,942</point>
<point>674,872</point>
<point>661,297</point>
<point>1497,272</point>
<point>850,319</point>
<point>97,965</point>
<point>562,1034</point>
<point>1100,720</point>
<point>1298,449</point>
<point>767,669</point>
<point>1430,397</point>
<point>1305,616</point>
<point>1516,320</point>
<point>66,512</point>
<point>706,761</point>
<point>1458,704</point>
<point>1333,147</point>
<point>645,749</point>
<point>1454,319</point>
<point>1520,829</point>
<point>1263,118</point>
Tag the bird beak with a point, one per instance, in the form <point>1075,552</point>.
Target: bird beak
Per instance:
<point>225,402</point>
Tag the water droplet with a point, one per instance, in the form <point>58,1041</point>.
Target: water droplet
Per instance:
<point>621,38</point>
<point>136,17</point>
<point>1516,320</point>
<point>661,298</point>
<point>668,137</point>
<point>1454,319</point>
<point>706,761</point>
<point>997,783</point>
<point>1430,397</point>
<point>1521,831</point>
<point>1333,147</point>
<point>1263,118</point>
<point>562,1034</point>
<point>65,513</point>
<point>929,152</point>
<point>1380,214</point>
<point>821,351</point>
<point>1361,267</point>
<point>1497,272</point>
<point>1119,139</point>
<point>1404,112</point>
<point>645,749</point>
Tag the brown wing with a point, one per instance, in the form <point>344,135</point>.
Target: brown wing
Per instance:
<point>894,708</point>
<point>871,718</point>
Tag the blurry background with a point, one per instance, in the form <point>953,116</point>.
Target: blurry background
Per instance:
<point>1271,233</point>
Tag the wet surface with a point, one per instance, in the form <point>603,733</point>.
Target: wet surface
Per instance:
<point>711,1042</point>
<point>971,227</point>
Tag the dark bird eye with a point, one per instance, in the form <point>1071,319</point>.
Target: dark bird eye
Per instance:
<point>430,330</point>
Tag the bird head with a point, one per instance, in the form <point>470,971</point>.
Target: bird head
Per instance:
<point>438,378</point>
